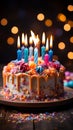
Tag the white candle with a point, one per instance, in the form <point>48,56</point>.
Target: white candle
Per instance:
<point>31,47</point>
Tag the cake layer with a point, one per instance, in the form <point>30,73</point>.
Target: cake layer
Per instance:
<point>37,80</point>
<point>44,85</point>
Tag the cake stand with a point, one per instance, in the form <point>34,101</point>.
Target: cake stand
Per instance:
<point>55,103</point>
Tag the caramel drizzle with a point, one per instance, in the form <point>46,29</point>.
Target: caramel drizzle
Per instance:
<point>18,78</point>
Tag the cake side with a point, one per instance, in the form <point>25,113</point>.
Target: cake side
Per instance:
<point>42,81</point>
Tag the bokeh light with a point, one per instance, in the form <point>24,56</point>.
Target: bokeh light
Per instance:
<point>71,39</point>
<point>70,22</point>
<point>61,45</point>
<point>67,27</point>
<point>61,17</point>
<point>40,17</point>
<point>70,55</point>
<point>48,22</point>
<point>10,40</point>
<point>4,22</point>
<point>70,7</point>
<point>14,30</point>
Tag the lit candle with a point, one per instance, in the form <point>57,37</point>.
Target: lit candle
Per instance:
<point>50,51</point>
<point>19,53</point>
<point>22,48</point>
<point>43,47</point>
<point>30,48</point>
<point>38,44</point>
<point>36,52</point>
<point>26,50</point>
<point>46,57</point>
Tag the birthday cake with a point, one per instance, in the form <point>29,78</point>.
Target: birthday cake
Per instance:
<point>34,79</point>
<point>27,79</point>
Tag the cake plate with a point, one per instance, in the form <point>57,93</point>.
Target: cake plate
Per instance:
<point>67,100</point>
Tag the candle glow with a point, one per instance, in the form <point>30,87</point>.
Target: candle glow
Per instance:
<point>32,35</point>
<point>26,40</point>
<point>47,45</point>
<point>19,53</point>
<point>43,38</point>
<point>30,40</point>
<point>51,42</point>
<point>23,39</point>
<point>18,42</point>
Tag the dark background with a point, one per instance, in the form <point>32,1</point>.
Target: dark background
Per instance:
<point>23,14</point>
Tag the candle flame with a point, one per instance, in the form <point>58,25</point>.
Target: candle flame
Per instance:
<point>18,42</point>
<point>43,38</point>
<point>36,40</point>
<point>51,43</point>
<point>33,35</point>
<point>30,40</point>
<point>26,40</point>
<point>47,45</point>
<point>23,39</point>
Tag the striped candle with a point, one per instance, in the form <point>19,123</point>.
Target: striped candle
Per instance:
<point>36,52</point>
<point>36,55</point>
<point>31,47</point>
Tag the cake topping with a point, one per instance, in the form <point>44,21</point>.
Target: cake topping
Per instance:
<point>24,67</point>
<point>39,69</point>
<point>32,68</point>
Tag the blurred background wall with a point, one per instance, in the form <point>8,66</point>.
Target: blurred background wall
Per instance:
<point>50,16</point>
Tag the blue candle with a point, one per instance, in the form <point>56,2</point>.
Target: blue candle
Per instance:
<point>26,54</point>
<point>22,48</point>
<point>43,47</point>
<point>36,55</point>
<point>19,53</point>
<point>26,50</point>
<point>43,51</point>
<point>50,54</point>
<point>50,51</point>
